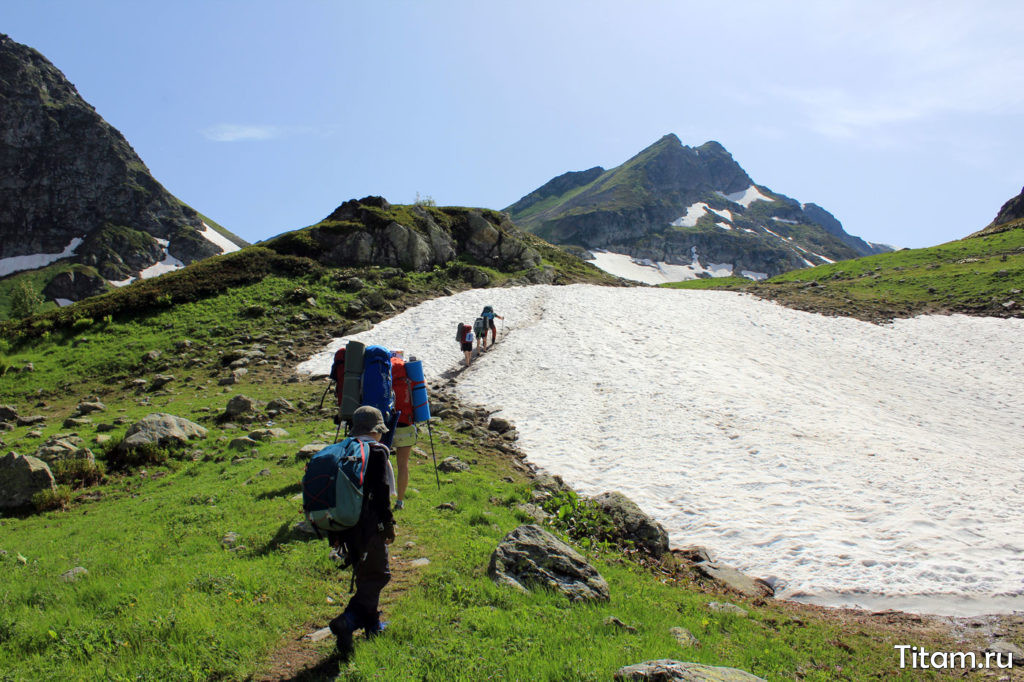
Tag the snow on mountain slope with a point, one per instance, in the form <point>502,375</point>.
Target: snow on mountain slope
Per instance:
<point>849,462</point>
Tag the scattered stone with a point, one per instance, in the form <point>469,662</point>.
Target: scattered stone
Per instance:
<point>21,477</point>
<point>685,638</point>
<point>735,580</point>
<point>529,555</point>
<point>137,384</point>
<point>103,428</point>
<point>238,406</point>
<point>63,447</point>
<point>534,512</point>
<point>612,620</point>
<point>307,451</point>
<point>1006,650</point>
<point>632,524</point>
<point>76,422</point>
<point>694,554</point>
<point>666,670</point>
<point>160,380</point>
<point>420,563</point>
<point>280,405</point>
<point>498,424</point>
<point>74,574</point>
<point>162,429</point>
<point>452,464</point>
<point>268,434</point>
<point>726,608</point>
<point>317,635</point>
<point>184,344</point>
<point>150,357</point>
<point>265,472</point>
<point>31,421</point>
<point>85,408</point>
<point>446,506</point>
<point>8,413</point>
<point>230,539</point>
<point>243,443</point>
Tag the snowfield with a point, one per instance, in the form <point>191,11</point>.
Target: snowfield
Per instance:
<point>846,462</point>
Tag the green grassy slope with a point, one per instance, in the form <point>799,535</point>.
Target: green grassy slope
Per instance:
<point>978,275</point>
<point>166,598</point>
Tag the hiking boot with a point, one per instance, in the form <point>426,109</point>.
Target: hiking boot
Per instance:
<point>400,504</point>
<point>343,629</point>
<point>377,629</point>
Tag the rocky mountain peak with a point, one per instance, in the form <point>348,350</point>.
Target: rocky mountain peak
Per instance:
<point>689,206</point>
<point>74,190</point>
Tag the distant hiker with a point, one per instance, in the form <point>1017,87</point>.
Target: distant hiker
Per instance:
<point>488,315</point>
<point>464,335</point>
<point>405,433</point>
<point>480,332</point>
<point>366,543</point>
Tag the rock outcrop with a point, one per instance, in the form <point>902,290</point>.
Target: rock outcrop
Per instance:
<point>529,555</point>
<point>370,231</point>
<point>73,188</point>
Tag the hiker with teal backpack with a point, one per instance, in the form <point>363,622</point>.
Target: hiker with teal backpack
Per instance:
<point>488,316</point>
<point>346,492</point>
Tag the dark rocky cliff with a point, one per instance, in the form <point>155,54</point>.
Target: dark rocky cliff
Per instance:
<point>66,174</point>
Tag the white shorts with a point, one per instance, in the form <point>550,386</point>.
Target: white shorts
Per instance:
<point>405,436</point>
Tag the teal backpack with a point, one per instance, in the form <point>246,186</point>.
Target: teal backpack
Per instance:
<point>332,487</point>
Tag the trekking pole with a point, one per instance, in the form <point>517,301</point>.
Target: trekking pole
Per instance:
<point>436,476</point>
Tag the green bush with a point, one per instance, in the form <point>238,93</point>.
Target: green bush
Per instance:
<point>57,498</point>
<point>119,458</point>
<point>79,472</point>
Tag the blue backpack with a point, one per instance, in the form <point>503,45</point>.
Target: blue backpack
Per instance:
<point>332,487</point>
<point>377,381</point>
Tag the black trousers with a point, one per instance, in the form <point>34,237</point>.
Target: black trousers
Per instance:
<point>371,575</point>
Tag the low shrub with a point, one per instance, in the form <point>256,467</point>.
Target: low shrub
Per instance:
<point>79,472</point>
<point>56,498</point>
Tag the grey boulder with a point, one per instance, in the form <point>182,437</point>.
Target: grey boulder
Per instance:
<point>631,523</point>
<point>679,671</point>
<point>529,555</point>
<point>162,429</point>
<point>21,477</point>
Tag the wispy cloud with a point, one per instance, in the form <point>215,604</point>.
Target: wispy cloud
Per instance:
<point>234,132</point>
<point>907,65</point>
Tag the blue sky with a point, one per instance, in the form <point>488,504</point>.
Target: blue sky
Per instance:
<point>902,118</point>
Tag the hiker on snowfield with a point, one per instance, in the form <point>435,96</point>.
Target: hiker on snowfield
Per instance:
<point>488,314</point>
<point>464,335</point>
<point>480,332</point>
<point>367,541</point>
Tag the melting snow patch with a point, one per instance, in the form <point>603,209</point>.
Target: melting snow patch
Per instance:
<point>217,239</point>
<point>36,260</point>
<point>643,270</point>
<point>756,276</point>
<point>784,220</point>
<point>63,302</point>
<point>746,197</point>
<point>693,214</point>
<point>849,459</point>
<point>724,226</point>
<point>121,282</point>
